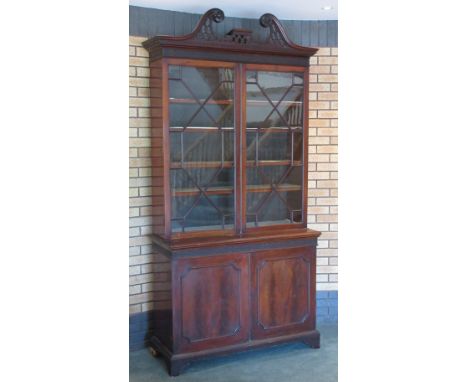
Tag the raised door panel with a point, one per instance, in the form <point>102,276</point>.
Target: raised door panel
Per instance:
<point>283,298</point>
<point>211,302</point>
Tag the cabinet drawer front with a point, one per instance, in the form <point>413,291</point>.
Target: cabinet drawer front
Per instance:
<point>211,302</point>
<point>283,297</point>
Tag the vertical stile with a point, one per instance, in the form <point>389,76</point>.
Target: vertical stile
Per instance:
<point>166,146</point>
<point>305,147</point>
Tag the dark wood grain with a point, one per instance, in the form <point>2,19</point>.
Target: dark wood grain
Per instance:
<point>239,150</point>
<point>177,362</point>
<point>157,148</point>
<point>222,303</point>
<point>210,302</point>
<point>266,235</point>
<point>305,148</point>
<point>283,295</point>
<point>200,63</point>
<point>283,291</point>
<point>166,154</point>
<point>243,150</point>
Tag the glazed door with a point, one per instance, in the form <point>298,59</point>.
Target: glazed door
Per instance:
<point>211,302</point>
<point>237,147</point>
<point>202,122</point>
<point>283,296</point>
<point>275,144</point>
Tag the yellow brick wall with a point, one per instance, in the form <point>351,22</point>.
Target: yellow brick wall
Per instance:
<point>323,163</point>
<point>149,286</point>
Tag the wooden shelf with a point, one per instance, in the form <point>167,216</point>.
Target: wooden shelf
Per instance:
<point>227,190</point>
<point>279,129</point>
<point>195,191</point>
<point>230,164</point>
<point>250,130</point>
<point>268,223</point>
<point>212,164</point>
<point>205,228</point>
<point>262,163</point>
<point>267,187</point>
<point>200,129</point>
<point>209,102</point>
<point>250,102</point>
<point>253,102</point>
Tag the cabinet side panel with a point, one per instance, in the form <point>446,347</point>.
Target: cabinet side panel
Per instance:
<point>163,315</point>
<point>157,147</point>
<point>159,151</point>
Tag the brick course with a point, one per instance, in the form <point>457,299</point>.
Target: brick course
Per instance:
<point>148,280</point>
<point>323,201</point>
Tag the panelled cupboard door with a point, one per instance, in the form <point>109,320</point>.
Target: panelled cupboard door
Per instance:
<point>210,302</point>
<point>283,297</point>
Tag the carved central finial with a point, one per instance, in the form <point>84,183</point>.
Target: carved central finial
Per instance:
<point>239,36</point>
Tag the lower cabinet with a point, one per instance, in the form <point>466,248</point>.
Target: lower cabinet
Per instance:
<point>223,303</point>
<point>228,299</point>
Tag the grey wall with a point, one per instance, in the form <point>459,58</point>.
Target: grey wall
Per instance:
<point>148,22</point>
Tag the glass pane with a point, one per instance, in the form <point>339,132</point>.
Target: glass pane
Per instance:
<point>185,180</point>
<point>274,84</point>
<point>276,208</point>
<point>274,99</point>
<point>201,215</point>
<point>193,115</point>
<point>200,83</point>
<point>265,175</point>
<point>274,138</point>
<point>201,121</point>
<point>202,146</point>
<point>269,146</point>
<point>201,97</point>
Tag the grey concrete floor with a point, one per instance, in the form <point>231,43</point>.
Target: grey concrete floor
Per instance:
<point>294,362</point>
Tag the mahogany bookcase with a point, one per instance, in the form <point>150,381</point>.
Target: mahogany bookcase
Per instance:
<point>229,121</point>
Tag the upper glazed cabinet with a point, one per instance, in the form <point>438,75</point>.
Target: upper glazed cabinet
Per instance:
<point>229,131</point>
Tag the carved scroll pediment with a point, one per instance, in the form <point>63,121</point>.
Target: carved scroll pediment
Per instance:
<point>204,36</point>
<point>204,29</point>
<point>277,35</point>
